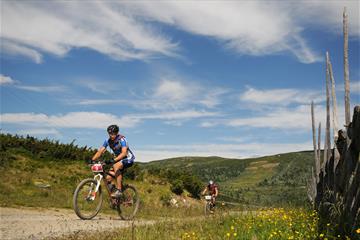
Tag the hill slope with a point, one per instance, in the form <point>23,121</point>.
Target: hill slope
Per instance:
<point>271,180</point>
<point>30,165</point>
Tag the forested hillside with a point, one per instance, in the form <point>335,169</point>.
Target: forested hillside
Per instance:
<point>271,180</point>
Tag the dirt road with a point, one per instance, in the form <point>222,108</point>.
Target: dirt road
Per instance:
<point>37,223</point>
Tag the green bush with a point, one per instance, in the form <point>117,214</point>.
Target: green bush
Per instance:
<point>177,187</point>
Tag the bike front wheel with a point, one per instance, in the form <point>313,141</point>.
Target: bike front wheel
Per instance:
<point>207,208</point>
<point>128,203</point>
<point>87,201</point>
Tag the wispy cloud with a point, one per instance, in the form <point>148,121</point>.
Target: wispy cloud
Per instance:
<point>281,118</point>
<point>96,85</point>
<point>6,80</point>
<point>168,94</point>
<point>282,97</point>
<point>128,30</point>
<point>355,87</point>
<point>250,27</point>
<point>98,120</point>
<point>30,29</point>
<point>175,91</point>
<point>69,120</point>
<point>42,88</point>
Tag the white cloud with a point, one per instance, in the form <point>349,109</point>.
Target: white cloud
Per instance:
<point>243,150</point>
<point>290,119</point>
<point>233,139</point>
<point>40,131</point>
<point>31,28</point>
<point>42,88</point>
<point>298,118</point>
<point>97,119</point>
<point>126,30</point>
<point>5,80</point>
<point>282,97</point>
<point>355,87</point>
<point>252,27</point>
<point>97,86</point>
<point>101,101</point>
<point>211,97</point>
<point>172,90</point>
<point>328,15</point>
<point>168,94</point>
<point>69,120</point>
<point>14,49</point>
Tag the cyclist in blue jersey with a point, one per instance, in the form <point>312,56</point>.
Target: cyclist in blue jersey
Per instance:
<point>124,157</point>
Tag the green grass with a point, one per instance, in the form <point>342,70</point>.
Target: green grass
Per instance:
<point>273,223</point>
<point>45,183</point>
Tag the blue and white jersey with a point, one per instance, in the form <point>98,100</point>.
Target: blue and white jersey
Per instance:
<point>116,145</point>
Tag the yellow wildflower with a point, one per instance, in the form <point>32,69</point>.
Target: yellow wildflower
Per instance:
<point>228,234</point>
<point>358,230</point>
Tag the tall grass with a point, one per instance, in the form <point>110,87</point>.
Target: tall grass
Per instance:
<point>264,224</point>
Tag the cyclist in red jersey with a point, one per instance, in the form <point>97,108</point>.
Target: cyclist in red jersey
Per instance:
<point>213,190</point>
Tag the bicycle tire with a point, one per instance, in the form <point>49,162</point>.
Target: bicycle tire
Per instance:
<point>134,201</point>
<point>207,208</point>
<point>81,213</point>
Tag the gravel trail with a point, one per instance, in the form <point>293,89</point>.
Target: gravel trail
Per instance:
<point>38,223</point>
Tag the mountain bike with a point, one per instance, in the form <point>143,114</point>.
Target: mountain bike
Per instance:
<point>88,196</point>
<point>209,205</point>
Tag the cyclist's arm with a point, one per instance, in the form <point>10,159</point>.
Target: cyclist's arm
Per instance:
<point>122,154</point>
<point>204,191</point>
<point>216,192</point>
<point>99,153</point>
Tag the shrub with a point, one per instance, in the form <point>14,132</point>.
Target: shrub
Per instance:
<point>177,187</point>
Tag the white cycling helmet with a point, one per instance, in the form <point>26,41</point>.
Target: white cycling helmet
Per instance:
<point>211,182</point>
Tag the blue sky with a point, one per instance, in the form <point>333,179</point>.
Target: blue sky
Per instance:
<point>232,79</point>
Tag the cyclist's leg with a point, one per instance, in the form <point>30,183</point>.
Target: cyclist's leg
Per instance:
<point>108,177</point>
<point>118,167</point>
<point>213,201</point>
<point>123,164</point>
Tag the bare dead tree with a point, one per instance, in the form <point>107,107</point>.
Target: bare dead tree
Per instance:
<point>327,128</point>
<point>334,111</point>
<point>314,142</point>
<point>346,67</point>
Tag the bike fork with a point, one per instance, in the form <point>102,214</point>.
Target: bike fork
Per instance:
<point>92,194</point>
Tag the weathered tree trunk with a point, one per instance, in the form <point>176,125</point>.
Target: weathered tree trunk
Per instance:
<point>335,118</point>
<point>327,128</point>
<point>314,143</point>
<point>346,68</point>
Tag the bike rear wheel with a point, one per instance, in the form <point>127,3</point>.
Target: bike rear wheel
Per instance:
<point>128,203</point>
<point>87,203</point>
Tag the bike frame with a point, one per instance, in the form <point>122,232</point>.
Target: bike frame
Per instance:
<point>101,176</point>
